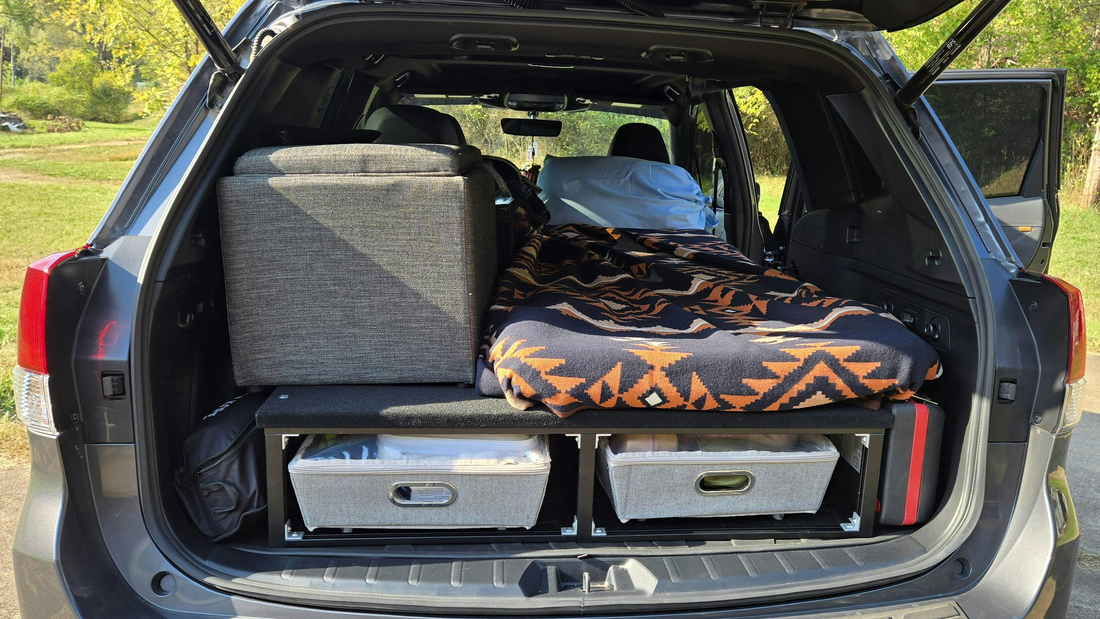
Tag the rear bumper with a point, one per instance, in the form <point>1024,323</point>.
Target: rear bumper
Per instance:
<point>1053,599</point>
<point>62,567</point>
<point>65,568</point>
<point>1032,572</point>
<point>39,584</point>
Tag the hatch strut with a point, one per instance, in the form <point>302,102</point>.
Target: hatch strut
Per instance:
<point>960,39</point>
<point>955,44</point>
<point>224,57</point>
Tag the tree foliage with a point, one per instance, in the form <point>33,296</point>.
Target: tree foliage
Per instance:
<point>104,59</point>
<point>766,142</point>
<point>108,53</point>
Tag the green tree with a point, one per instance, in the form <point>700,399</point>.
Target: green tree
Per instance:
<point>99,50</point>
<point>148,40</point>
<point>765,137</point>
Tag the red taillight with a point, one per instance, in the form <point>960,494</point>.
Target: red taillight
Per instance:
<point>1078,349</point>
<point>32,312</point>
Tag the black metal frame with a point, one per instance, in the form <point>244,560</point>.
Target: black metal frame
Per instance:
<point>584,529</point>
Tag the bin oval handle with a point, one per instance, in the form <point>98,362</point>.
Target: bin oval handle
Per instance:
<point>722,483</point>
<point>422,493</point>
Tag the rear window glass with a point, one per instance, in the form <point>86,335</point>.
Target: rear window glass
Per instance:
<point>996,128</point>
<point>582,133</point>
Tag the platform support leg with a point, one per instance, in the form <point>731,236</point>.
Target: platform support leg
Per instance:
<point>276,490</point>
<point>868,492</point>
<point>586,483</point>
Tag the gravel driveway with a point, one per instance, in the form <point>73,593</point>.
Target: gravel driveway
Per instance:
<point>13,485</point>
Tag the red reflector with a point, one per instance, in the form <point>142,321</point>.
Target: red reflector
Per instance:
<point>32,312</point>
<point>1078,348</point>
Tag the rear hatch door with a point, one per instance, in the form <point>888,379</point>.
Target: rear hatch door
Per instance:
<point>871,14</point>
<point>855,14</point>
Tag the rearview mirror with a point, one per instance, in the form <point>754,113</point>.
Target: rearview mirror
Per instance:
<point>531,127</point>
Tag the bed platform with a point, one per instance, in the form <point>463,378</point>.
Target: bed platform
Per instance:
<point>576,508</point>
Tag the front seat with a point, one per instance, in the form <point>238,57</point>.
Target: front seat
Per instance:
<point>640,141</point>
<point>414,124</point>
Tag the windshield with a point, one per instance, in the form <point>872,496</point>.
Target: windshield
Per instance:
<point>583,133</point>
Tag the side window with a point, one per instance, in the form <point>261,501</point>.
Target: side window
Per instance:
<point>996,127</point>
<point>703,151</point>
<point>771,159</point>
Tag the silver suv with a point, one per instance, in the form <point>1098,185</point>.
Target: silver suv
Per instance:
<point>933,195</point>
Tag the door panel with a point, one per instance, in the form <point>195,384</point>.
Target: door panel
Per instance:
<point>1007,125</point>
<point>1022,220</point>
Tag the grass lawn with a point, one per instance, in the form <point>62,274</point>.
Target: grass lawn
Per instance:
<point>94,132</point>
<point>771,191</point>
<point>1076,259</point>
<point>54,188</point>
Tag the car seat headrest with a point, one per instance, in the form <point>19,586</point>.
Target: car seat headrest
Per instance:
<point>414,124</point>
<point>640,141</point>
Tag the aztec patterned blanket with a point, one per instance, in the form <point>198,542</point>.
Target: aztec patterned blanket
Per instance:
<point>588,318</point>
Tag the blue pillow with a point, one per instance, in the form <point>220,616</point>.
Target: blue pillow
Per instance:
<point>623,192</point>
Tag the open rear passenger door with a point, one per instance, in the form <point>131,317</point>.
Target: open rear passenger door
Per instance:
<point>1007,125</point>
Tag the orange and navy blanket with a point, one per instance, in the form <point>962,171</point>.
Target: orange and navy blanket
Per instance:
<point>590,318</point>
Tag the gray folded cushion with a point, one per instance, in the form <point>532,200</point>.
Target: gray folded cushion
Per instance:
<point>431,159</point>
<point>357,263</point>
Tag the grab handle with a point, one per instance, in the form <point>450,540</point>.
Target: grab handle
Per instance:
<point>712,483</point>
<point>423,494</point>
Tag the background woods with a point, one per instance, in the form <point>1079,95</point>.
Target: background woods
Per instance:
<point>107,60</point>
<point>114,60</point>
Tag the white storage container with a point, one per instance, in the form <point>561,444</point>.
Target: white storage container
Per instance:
<point>420,482</point>
<point>673,476</point>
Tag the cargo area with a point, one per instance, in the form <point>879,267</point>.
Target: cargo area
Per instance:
<point>575,501</point>
<point>440,401</point>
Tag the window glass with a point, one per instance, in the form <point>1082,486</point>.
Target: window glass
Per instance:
<point>583,133</point>
<point>767,148</point>
<point>702,151</point>
<point>996,128</point>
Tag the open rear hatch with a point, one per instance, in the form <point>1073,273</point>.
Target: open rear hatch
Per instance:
<point>625,560</point>
<point>856,14</point>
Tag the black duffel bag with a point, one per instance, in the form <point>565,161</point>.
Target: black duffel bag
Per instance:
<point>220,473</point>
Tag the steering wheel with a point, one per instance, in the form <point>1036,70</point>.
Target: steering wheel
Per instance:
<point>523,191</point>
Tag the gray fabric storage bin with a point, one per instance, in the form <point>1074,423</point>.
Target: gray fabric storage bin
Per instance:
<point>355,481</point>
<point>679,476</point>
<point>357,263</point>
